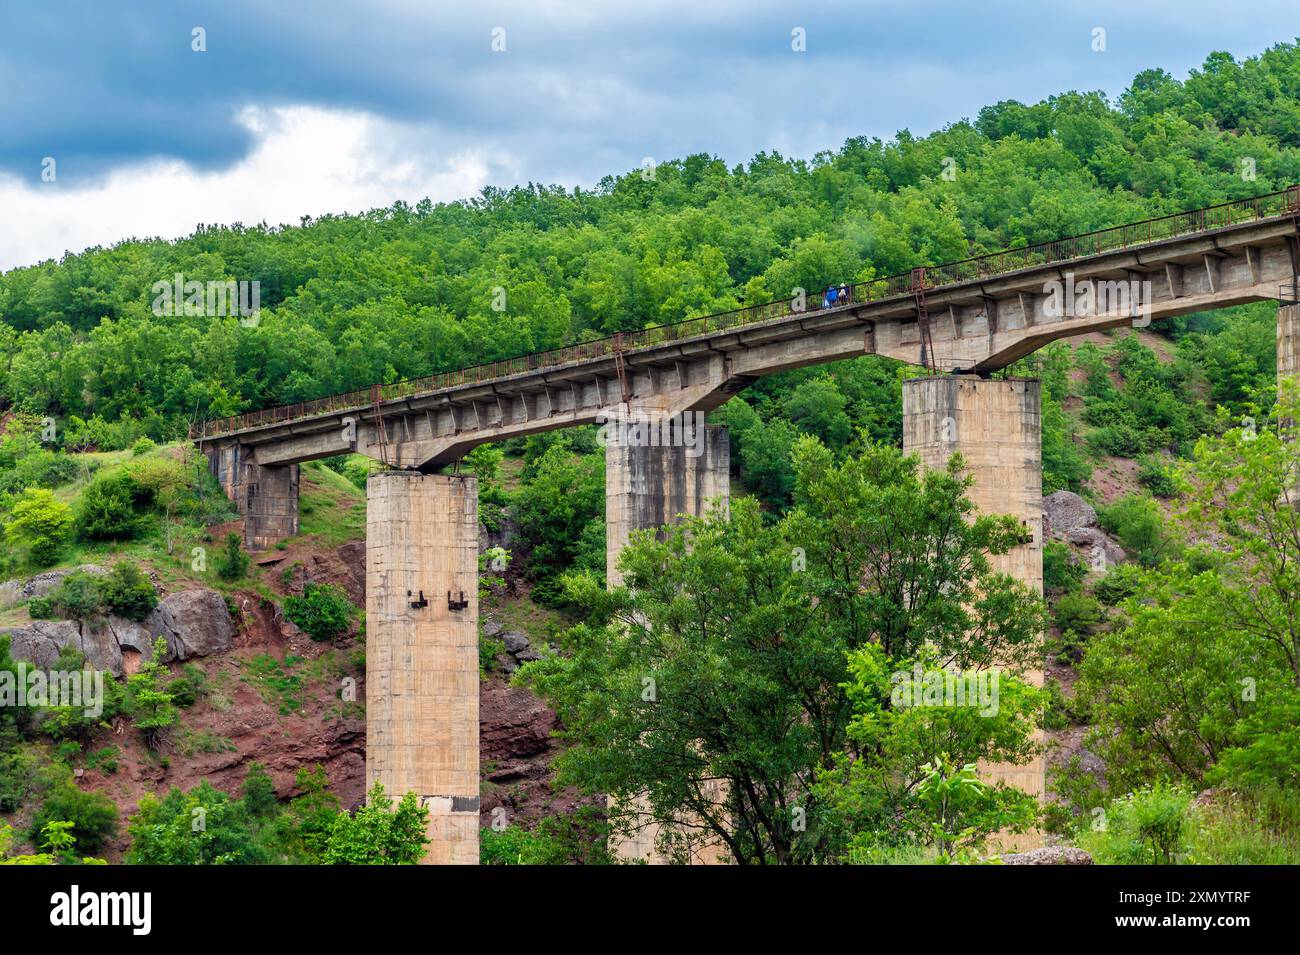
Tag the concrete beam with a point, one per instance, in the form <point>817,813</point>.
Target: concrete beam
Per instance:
<point>422,732</point>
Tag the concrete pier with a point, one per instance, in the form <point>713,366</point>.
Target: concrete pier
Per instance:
<point>422,681</point>
<point>650,487</point>
<point>267,496</point>
<point>996,425</point>
<point>1288,343</point>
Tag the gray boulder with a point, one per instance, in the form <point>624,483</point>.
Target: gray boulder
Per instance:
<point>194,623</point>
<point>41,641</point>
<point>1097,545</point>
<point>1064,511</point>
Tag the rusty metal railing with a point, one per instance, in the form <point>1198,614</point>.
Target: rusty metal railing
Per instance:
<point>1273,204</point>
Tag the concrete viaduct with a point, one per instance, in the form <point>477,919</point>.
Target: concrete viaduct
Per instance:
<point>961,320</point>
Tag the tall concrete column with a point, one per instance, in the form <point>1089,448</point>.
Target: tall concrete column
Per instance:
<point>649,487</point>
<point>652,486</point>
<point>422,689</point>
<point>1288,343</point>
<point>267,496</point>
<point>997,427</point>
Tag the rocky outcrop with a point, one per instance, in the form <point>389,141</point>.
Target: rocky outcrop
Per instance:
<point>41,585</point>
<point>40,642</point>
<point>194,623</point>
<point>1049,855</point>
<point>1063,511</point>
<point>1068,517</point>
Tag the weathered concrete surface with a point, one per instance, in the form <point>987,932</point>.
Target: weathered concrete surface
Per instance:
<point>266,495</point>
<point>1288,343</point>
<point>422,681</point>
<point>651,486</point>
<point>996,425</point>
<point>648,487</point>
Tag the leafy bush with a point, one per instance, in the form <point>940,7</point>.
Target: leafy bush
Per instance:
<point>92,814</point>
<point>41,523</point>
<point>1138,524</point>
<point>1077,616</point>
<point>579,838</point>
<point>40,608</point>
<point>77,596</point>
<point>1146,827</point>
<point>1061,569</point>
<point>378,834</point>
<point>1155,477</point>
<point>107,508</point>
<point>323,611</point>
<point>127,592</point>
<point>142,446</point>
<point>104,760</point>
<point>232,563</point>
<point>1120,583</point>
<point>38,468</point>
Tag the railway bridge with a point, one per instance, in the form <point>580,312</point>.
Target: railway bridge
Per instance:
<point>962,321</point>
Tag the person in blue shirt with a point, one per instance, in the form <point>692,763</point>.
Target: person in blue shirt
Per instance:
<point>829,300</point>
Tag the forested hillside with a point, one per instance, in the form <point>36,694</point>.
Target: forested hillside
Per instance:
<point>1139,425</point>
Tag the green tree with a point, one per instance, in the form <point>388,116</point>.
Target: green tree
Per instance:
<point>93,817</point>
<point>150,705</point>
<point>715,693</point>
<point>378,834</point>
<point>127,592</point>
<point>41,523</point>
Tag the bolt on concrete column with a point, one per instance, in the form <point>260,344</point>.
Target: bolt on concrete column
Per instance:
<point>649,487</point>
<point>996,425</point>
<point>422,732</point>
<point>267,496</point>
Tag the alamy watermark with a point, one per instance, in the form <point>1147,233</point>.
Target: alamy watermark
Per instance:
<point>76,689</point>
<point>685,430</point>
<point>1091,297</point>
<point>211,299</point>
<point>977,689</point>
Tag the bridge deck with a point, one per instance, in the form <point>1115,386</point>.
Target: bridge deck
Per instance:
<point>940,282</point>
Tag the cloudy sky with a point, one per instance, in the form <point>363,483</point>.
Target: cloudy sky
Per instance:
<point>302,107</point>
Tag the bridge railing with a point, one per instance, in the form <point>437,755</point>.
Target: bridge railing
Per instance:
<point>1282,202</point>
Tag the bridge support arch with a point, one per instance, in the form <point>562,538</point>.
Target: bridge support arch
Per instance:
<point>422,680</point>
<point>649,487</point>
<point>996,425</point>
